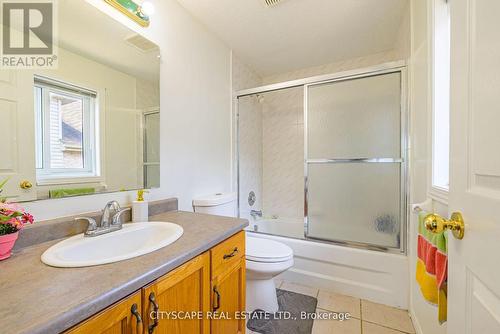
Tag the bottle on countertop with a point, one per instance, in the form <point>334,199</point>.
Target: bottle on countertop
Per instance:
<point>140,211</point>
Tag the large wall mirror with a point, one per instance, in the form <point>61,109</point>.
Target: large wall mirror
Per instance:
<point>92,124</point>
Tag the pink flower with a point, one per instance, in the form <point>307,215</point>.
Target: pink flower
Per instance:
<point>27,218</point>
<point>14,215</point>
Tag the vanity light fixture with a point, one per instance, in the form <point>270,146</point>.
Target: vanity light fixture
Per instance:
<point>139,13</point>
<point>271,3</point>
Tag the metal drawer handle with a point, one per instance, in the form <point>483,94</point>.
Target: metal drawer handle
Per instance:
<point>217,306</point>
<point>232,254</point>
<point>152,300</point>
<point>138,327</point>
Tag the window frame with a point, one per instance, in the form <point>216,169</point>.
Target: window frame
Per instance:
<point>46,175</point>
<point>436,191</point>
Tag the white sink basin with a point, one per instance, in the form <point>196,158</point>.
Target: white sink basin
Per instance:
<point>133,240</point>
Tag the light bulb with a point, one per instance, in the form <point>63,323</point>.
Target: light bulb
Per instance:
<point>147,8</point>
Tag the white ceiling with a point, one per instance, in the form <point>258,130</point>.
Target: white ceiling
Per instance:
<point>85,30</point>
<point>297,34</point>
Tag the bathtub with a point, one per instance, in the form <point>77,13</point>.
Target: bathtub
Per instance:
<point>372,275</point>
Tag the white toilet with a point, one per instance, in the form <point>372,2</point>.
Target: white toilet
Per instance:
<point>265,258</point>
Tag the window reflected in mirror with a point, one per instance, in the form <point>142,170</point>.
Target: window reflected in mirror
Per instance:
<point>90,125</point>
<point>66,132</point>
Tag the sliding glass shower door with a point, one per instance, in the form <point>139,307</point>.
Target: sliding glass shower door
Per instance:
<point>354,161</point>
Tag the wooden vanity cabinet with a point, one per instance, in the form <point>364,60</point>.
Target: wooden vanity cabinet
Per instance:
<point>228,285</point>
<point>212,281</point>
<point>185,289</point>
<point>228,295</point>
<point>124,317</point>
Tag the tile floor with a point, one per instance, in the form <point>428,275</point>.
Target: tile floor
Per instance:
<point>367,317</point>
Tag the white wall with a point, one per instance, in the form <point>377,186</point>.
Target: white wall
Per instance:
<point>147,94</point>
<point>196,107</point>
<point>402,48</point>
<point>424,315</point>
<point>195,113</point>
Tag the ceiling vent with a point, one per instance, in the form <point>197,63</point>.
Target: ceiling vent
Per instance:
<point>271,3</point>
<point>141,43</point>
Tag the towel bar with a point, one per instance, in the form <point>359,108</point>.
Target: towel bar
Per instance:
<point>424,206</point>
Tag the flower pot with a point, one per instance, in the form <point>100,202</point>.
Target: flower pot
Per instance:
<point>6,244</point>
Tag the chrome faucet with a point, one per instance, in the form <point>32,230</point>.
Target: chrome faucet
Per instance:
<point>108,212</point>
<point>110,221</point>
<point>256,213</point>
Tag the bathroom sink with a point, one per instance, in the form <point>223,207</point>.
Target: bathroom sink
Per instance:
<point>132,240</point>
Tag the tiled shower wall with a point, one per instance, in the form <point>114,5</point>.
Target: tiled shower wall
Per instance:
<point>250,137</point>
<point>283,153</point>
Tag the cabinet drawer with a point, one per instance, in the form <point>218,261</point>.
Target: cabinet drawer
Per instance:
<point>227,253</point>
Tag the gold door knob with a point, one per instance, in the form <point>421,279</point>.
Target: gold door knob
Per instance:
<point>26,185</point>
<point>438,224</point>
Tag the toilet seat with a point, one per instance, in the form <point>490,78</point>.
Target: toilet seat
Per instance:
<point>267,251</point>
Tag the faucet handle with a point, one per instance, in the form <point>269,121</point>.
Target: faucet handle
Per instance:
<point>111,206</point>
<point>117,216</point>
<point>110,209</point>
<point>92,223</point>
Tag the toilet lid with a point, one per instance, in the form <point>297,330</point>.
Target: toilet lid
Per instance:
<point>265,250</point>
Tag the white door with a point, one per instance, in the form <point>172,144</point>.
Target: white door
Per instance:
<point>474,262</point>
<point>17,138</point>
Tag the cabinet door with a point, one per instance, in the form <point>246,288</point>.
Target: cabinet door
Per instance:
<point>228,298</point>
<point>122,318</point>
<point>185,289</point>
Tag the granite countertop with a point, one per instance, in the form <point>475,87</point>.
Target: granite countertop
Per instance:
<point>36,298</point>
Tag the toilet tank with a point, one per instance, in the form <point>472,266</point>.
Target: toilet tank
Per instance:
<point>221,204</point>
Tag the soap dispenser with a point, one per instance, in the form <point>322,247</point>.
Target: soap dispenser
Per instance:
<point>140,211</point>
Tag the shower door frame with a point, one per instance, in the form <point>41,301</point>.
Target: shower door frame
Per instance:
<point>385,68</point>
<point>402,161</point>
<point>145,164</point>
